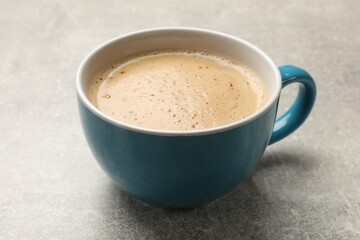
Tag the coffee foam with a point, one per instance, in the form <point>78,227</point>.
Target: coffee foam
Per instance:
<point>178,90</point>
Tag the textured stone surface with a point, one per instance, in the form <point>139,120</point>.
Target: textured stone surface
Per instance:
<point>306,186</point>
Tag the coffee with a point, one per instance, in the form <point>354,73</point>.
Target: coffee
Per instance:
<point>178,90</point>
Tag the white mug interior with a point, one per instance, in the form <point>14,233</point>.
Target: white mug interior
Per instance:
<point>178,38</point>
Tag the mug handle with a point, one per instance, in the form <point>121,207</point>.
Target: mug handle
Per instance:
<point>300,109</point>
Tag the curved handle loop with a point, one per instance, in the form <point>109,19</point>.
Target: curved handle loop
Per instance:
<point>299,111</point>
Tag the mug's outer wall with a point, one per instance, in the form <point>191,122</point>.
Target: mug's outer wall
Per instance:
<point>177,171</point>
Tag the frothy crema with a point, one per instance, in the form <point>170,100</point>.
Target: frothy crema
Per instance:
<point>178,90</point>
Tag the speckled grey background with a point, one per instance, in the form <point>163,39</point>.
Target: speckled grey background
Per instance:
<point>306,186</point>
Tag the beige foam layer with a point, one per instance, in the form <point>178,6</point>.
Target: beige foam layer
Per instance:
<point>178,90</point>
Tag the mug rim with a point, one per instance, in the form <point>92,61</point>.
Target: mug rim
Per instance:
<point>206,131</point>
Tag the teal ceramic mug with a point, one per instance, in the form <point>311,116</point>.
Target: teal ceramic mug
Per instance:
<point>182,169</point>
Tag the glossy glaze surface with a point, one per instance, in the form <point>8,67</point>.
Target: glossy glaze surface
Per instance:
<point>177,172</point>
<point>301,108</point>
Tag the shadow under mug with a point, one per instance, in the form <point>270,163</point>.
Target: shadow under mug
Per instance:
<point>183,169</point>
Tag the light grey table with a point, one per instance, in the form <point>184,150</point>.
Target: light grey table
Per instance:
<point>306,186</point>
